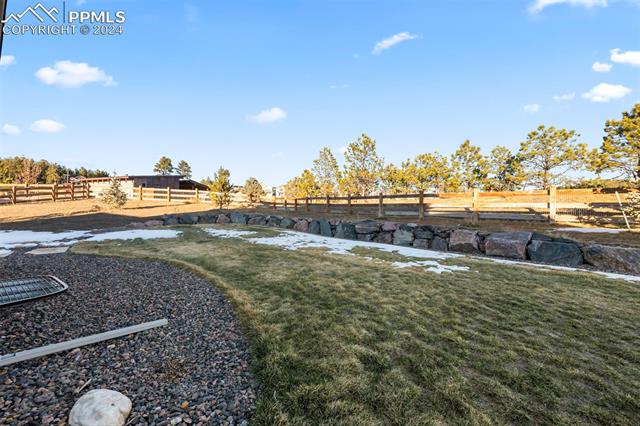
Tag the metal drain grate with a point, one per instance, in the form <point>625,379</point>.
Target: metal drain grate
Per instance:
<point>21,289</point>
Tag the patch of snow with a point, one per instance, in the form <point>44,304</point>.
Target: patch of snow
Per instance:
<point>292,240</point>
<point>15,239</point>
<point>5,252</point>
<point>228,233</point>
<point>592,230</point>
<point>132,234</point>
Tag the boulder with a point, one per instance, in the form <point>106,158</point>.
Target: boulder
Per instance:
<point>507,244</point>
<point>314,227</point>
<point>402,237</point>
<point>152,223</point>
<point>238,218</point>
<point>100,407</point>
<point>465,241</point>
<point>422,243</point>
<point>274,221</point>
<point>618,259</point>
<point>287,223</point>
<point>367,227</point>
<point>439,244</point>
<point>302,225</point>
<point>408,227</point>
<point>390,226</point>
<point>346,230</point>
<point>555,253</point>
<point>188,219</point>
<point>136,225</point>
<point>223,218</point>
<point>366,237</point>
<point>257,220</point>
<point>423,233</point>
<point>384,237</point>
<point>169,220</point>
<point>208,218</point>
<point>325,228</point>
<point>540,236</point>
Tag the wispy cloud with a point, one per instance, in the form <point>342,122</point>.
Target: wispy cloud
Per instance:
<point>605,92</point>
<point>629,57</point>
<point>539,5</point>
<point>47,126</point>
<point>70,74</point>
<point>389,42</point>
<point>11,130</point>
<point>268,116</point>
<point>601,67</point>
<point>7,60</point>
<point>531,108</point>
<point>564,97</point>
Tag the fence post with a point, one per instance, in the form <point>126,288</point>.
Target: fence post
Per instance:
<point>306,204</point>
<point>140,192</point>
<point>381,206</point>
<point>73,192</point>
<point>86,187</point>
<point>328,204</point>
<point>14,195</point>
<point>285,204</point>
<point>295,204</point>
<point>54,189</point>
<point>168,193</point>
<point>275,201</point>
<point>26,190</point>
<point>349,208</point>
<point>421,205</point>
<point>197,196</point>
<point>476,206</point>
<point>552,204</point>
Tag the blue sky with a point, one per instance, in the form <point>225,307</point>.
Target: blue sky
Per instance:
<point>260,86</point>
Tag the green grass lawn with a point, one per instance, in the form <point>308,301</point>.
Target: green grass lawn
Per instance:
<point>348,340</point>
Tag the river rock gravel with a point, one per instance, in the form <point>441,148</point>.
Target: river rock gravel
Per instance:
<point>195,370</point>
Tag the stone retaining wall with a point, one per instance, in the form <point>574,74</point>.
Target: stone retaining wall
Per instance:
<point>533,246</point>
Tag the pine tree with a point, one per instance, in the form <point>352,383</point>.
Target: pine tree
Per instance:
<point>163,167</point>
<point>363,167</point>
<point>326,172</point>
<point>471,166</point>
<point>220,188</point>
<point>253,190</point>
<point>113,196</point>
<point>184,169</point>
<point>620,151</point>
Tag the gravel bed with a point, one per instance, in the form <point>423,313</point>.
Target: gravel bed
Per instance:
<point>195,370</point>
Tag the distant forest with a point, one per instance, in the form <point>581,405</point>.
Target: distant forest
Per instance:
<point>30,171</point>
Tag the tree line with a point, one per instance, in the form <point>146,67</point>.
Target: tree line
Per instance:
<point>548,156</point>
<point>25,170</point>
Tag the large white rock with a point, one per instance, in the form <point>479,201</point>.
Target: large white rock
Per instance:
<point>100,407</point>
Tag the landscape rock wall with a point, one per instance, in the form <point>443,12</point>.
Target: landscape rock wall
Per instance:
<point>532,246</point>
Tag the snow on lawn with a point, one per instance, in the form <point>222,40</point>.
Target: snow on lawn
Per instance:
<point>16,239</point>
<point>291,240</point>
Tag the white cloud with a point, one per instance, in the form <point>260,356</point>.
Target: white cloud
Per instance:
<point>47,126</point>
<point>10,129</point>
<point>73,74</point>
<point>269,115</point>
<point>601,67</point>
<point>629,57</point>
<point>531,108</point>
<point>538,5</point>
<point>565,97</point>
<point>604,92</point>
<point>7,60</point>
<point>392,41</point>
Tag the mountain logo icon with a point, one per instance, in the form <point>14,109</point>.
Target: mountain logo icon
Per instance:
<point>39,11</point>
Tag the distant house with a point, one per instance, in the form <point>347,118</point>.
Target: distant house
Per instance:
<point>97,185</point>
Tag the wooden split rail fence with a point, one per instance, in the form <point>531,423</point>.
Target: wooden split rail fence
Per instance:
<point>553,205</point>
<point>24,193</point>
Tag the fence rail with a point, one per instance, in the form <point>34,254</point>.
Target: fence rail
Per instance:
<point>24,193</point>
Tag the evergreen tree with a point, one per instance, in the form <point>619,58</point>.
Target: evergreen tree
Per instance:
<point>163,167</point>
<point>113,196</point>
<point>326,172</point>
<point>505,170</point>
<point>363,167</point>
<point>220,188</point>
<point>620,150</point>
<point>470,165</point>
<point>253,190</point>
<point>184,169</point>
